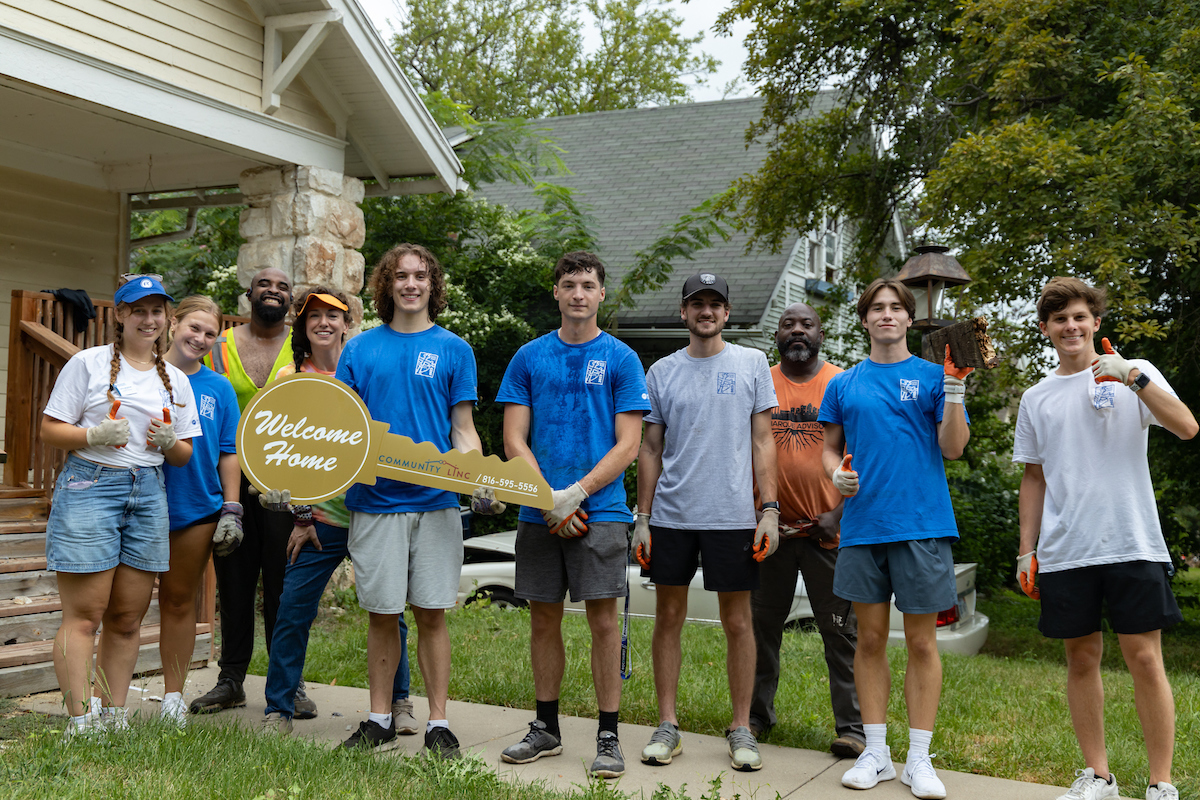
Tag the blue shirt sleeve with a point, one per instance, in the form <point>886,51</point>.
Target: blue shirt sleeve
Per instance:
<point>230,415</point>
<point>515,387</point>
<point>831,403</point>
<point>463,378</point>
<point>629,385</point>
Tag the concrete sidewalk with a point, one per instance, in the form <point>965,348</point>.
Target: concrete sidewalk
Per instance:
<point>487,730</point>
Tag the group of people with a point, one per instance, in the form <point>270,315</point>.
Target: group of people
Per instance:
<point>759,473</point>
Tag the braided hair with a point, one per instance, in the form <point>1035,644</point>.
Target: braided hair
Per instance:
<point>160,345</point>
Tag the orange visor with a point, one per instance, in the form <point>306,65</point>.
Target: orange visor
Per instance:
<point>327,299</point>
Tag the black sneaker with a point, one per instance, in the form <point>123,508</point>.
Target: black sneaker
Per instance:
<point>537,743</point>
<point>227,693</point>
<point>442,743</point>
<point>370,735</point>
<point>304,707</point>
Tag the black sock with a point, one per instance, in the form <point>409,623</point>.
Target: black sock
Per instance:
<point>547,712</point>
<point>608,721</point>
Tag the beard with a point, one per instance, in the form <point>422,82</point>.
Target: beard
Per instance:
<point>271,315</point>
<point>796,351</point>
<point>694,329</point>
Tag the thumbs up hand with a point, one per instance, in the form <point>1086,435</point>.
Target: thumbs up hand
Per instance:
<point>112,432</point>
<point>845,478</point>
<point>1110,366</point>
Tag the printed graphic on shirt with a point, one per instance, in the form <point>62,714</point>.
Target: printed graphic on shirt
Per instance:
<point>797,428</point>
<point>1104,395</point>
<point>208,406</point>
<point>726,383</point>
<point>595,373</point>
<point>426,364</point>
<point>909,389</point>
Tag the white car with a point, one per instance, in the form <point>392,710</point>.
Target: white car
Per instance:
<point>489,572</point>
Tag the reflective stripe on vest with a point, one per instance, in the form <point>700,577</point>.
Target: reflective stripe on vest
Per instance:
<point>220,357</point>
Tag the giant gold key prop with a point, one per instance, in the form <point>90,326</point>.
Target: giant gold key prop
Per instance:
<point>312,435</point>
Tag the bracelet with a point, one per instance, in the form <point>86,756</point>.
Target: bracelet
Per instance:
<point>302,516</point>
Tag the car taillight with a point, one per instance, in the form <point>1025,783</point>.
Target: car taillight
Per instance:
<point>947,617</point>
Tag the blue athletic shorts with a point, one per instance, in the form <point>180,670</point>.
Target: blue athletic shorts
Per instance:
<point>920,572</point>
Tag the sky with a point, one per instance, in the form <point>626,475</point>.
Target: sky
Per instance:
<point>698,17</point>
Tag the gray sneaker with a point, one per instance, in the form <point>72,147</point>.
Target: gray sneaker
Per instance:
<point>537,743</point>
<point>665,744</point>
<point>275,724</point>
<point>305,707</point>
<point>402,715</point>
<point>743,749</point>
<point>610,761</point>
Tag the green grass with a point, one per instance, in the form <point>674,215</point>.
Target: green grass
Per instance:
<point>1003,713</point>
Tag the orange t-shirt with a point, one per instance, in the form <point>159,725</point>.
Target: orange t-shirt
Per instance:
<point>804,491</point>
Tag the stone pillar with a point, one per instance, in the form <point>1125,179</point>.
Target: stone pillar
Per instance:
<point>306,222</point>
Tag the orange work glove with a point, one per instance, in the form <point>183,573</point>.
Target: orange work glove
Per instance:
<point>112,432</point>
<point>1110,366</point>
<point>1027,574</point>
<point>846,479</point>
<point>953,383</point>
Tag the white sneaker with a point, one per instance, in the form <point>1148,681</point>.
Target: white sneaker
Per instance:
<point>1162,791</point>
<point>919,776</point>
<point>1088,787</point>
<point>175,711</point>
<point>869,769</point>
<point>114,721</point>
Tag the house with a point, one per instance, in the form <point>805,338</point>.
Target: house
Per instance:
<point>107,107</point>
<point>638,171</point>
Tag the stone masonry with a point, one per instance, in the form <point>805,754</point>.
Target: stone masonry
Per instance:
<point>306,222</point>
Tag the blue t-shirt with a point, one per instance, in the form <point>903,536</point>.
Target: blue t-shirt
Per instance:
<point>574,392</point>
<point>410,381</point>
<point>194,490</point>
<point>889,414</point>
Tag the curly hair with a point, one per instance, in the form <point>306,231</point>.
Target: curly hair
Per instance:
<point>384,276</point>
<point>301,347</point>
<point>579,261</point>
<point>1060,291</point>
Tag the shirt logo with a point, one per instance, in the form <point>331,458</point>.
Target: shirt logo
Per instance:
<point>426,364</point>
<point>726,383</point>
<point>595,373</point>
<point>909,389</point>
<point>208,406</point>
<point>1104,395</point>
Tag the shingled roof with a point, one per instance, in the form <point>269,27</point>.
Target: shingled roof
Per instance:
<point>638,171</point>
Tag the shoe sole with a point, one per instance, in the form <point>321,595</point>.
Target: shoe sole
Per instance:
<point>655,761</point>
<point>607,773</point>
<point>406,731</point>
<point>843,750</point>
<point>553,751</point>
<point>303,714</point>
<point>879,778</point>
<point>745,767</point>
<point>213,708</point>
<point>905,780</point>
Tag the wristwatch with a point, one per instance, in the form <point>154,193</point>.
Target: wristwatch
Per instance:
<point>772,504</point>
<point>1140,382</point>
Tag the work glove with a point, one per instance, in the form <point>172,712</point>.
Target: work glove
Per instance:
<point>112,432</point>
<point>1027,574</point>
<point>1110,366</point>
<point>228,534</point>
<point>846,479</point>
<point>641,540</point>
<point>275,499</point>
<point>483,501</point>
<point>162,432</point>
<point>566,519</point>
<point>766,535</point>
<point>954,382</point>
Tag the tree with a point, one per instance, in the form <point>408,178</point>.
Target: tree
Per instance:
<point>1037,138</point>
<point>188,266</point>
<point>526,58</point>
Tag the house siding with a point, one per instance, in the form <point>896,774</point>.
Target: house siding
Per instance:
<point>211,47</point>
<point>53,234</point>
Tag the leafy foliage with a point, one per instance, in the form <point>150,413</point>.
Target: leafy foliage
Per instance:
<point>187,266</point>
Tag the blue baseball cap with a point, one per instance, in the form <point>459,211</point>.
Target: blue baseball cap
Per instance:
<point>140,286</point>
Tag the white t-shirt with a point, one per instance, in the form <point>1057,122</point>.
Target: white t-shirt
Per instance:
<point>1090,439</point>
<point>80,397</point>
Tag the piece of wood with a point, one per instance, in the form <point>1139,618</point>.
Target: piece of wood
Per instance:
<point>30,583</point>
<point>22,564</point>
<point>970,345</point>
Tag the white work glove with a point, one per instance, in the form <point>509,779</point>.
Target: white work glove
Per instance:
<point>566,518</point>
<point>954,380</point>
<point>483,501</point>
<point>1110,366</point>
<point>766,535</point>
<point>641,540</point>
<point>846,479</point>
<point>228,534</point>
<point>1027,567</point>
<point>112,432</point>
<point>161,435</point>
<point>275,499</point>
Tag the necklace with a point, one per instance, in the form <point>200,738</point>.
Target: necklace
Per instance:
<point>136,361</point>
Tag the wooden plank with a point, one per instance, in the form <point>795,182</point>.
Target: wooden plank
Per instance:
<point>44,627</point>
<point>13,528</point>
<point>16,492</point>
<point>11,565</point>
<point>18,422</point>
<point>31,583</point>
<point>39,605</point>
<point>46,343</point>
<point>56,230</point>
<point>32,652</point>
<point>22,545</point>
<point>32,678</point>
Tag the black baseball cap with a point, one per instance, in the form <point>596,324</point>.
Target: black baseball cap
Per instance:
<point>705,281</point>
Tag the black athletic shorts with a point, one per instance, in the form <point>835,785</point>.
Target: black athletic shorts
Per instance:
<point>727,558</point>
<point>1136,595</point>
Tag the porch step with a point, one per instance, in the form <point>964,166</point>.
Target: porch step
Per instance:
<point>33,652</point>
<point>34,583</point>
<point>40,620</point>
<point>14,509</point>
<point>22,545</point>
<point>11,565</point>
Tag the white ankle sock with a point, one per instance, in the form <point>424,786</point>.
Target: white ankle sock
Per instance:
<point>437,723</point>
<point>383,720</point>
<point>172,696</point>
<point>876,736</point>
<point>80,722</point>
<point>918,743</point>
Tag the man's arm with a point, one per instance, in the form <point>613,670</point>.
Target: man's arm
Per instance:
<point>953,431</point>
<point>765,474</point>
<point>628,428</point>
<point>463,435</point>
<point>649,465</point>
<point>1029,506</point>
<point>516,434</point>
<point>1171,412</point>
<point>835,446</point>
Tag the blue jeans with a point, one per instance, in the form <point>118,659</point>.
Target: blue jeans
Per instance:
<point>303,583</point>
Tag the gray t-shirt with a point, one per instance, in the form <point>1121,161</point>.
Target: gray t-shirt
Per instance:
<point>706,405</point>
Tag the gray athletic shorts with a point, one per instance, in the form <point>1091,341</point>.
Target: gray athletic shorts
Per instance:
<point>593,566</point>
<point>413,557</point>
<point>920,573</point>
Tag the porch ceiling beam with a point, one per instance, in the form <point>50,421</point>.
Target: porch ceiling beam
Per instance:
<point>369,159</point>
<point>279,72</point>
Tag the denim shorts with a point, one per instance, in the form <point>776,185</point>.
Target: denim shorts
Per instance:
<point>103,516</point>
<point>919,572</point>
